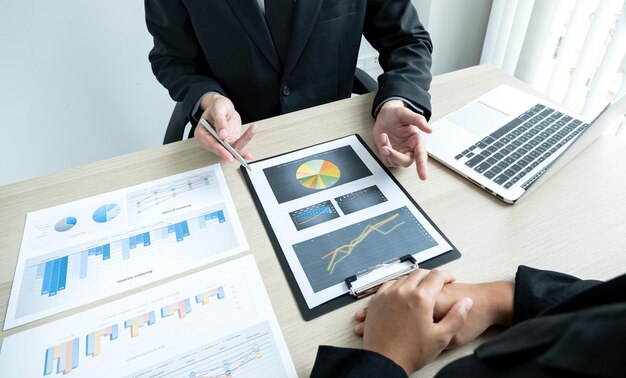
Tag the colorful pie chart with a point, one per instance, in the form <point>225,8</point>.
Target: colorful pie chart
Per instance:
<point>65,224</point>
<point>318,174</point>
<point>106,213</point>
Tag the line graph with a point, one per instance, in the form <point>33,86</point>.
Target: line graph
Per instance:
<point>328,259</point>
<point>250,352</point>
<point>151,199</point>
<point>340,253</point>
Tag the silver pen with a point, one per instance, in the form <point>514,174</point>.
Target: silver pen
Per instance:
<point>224,143</point>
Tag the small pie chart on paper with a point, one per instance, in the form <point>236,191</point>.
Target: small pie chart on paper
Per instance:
<point>318,174</point>
<point>65,224</point>
<point>106,213</point>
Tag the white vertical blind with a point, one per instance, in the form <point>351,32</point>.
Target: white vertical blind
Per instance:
<point>541,39</point>
<point>575,52</point>
<point>575,32</point>
<point>613,58</point>
<point>592,49</point>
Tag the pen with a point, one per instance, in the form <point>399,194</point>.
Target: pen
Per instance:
<point>224,143</point>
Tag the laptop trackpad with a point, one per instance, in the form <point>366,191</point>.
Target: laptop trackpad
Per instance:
<point>477,118</point>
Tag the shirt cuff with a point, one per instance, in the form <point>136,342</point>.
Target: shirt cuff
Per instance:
<point>407,103</point>
<point>196,107</point>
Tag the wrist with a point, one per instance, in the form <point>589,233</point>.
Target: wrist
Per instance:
<point>208,100</point>
<point>393,104</point>
<point>499,300</point>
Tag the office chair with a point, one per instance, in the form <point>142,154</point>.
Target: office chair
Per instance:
<point>363,83</point>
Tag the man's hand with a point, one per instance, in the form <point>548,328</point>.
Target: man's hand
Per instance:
<point>493,305</point>
<point>397,134</point>
<point>399,323</point>
<point>220,112</point>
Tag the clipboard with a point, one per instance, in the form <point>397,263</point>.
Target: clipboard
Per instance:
<point>364,282</point>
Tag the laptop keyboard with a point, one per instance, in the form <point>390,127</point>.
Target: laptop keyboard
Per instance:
<point>511,152</point>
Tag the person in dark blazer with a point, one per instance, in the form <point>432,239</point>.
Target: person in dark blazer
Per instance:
<point>561,327</point>
<point>229,62</point>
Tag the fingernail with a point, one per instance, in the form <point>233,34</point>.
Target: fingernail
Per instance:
<point>223,134</point>
<point>468,303</point>
<point>385,152</point>
<point>360,313</point>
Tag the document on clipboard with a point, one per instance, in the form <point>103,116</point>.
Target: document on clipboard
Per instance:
<point>340,223</point>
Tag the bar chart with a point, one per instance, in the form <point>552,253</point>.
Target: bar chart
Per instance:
<point>93,339</point>
<point>205,297</point>
<point>65,355</point>
<point>228,330</point>
<point>182,307</point>
<point>137,322</point>
<point>63,278</point>
<point>52,275</point>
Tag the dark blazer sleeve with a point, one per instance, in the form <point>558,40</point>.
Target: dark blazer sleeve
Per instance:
<point>394,29</point>
<point>176,58</point>
<point>539,291</point>
<point>348,362</point>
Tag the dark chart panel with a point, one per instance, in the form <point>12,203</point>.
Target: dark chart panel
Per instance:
<point>328,259</point>
<point>313,215</point>
<point>287,182</point>
<point>361,199</point>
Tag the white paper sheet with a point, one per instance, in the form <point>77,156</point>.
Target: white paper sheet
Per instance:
<point>218,322</point>
<point>83,251</point>
<point>337,213</point>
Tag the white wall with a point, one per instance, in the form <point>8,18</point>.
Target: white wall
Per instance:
<point>76,85</point>
<point>457,28</point>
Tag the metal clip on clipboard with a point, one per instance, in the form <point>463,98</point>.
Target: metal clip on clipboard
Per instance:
<point>362,285</point>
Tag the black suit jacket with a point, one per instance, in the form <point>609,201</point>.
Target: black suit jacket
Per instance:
<point>225,46</point>
<point>564,327</point>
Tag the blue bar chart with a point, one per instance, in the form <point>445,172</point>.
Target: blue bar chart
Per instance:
<point>52,275</point>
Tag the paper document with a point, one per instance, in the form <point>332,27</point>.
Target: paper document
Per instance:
<point>215,323</point>
<point>90,249</point>
<point>335,212</point>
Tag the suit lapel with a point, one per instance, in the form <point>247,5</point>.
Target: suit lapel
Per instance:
<point>252,21</point>
<point>305,15</point>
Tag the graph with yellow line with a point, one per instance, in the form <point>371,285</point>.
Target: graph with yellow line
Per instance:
<point>340,253</point>
<point>328,259</point>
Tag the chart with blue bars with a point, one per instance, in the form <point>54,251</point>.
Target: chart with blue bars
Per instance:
<point>313,215</point>
<point>102,264</point>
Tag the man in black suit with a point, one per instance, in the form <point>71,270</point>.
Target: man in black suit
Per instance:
<point>561,327</point>
<point>234,61</point>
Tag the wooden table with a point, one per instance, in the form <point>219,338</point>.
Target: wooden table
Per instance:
<point>575,223</point>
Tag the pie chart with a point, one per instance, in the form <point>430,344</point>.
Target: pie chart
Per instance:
<point>318,174</point>
<point>106,213</point>
<point>65,224</point>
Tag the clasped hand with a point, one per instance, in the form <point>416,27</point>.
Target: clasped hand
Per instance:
<point>400,325</point>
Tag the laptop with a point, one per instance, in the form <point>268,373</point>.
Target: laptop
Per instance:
<point>508,142</point>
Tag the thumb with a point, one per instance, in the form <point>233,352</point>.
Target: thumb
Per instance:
<point>455,319</point>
